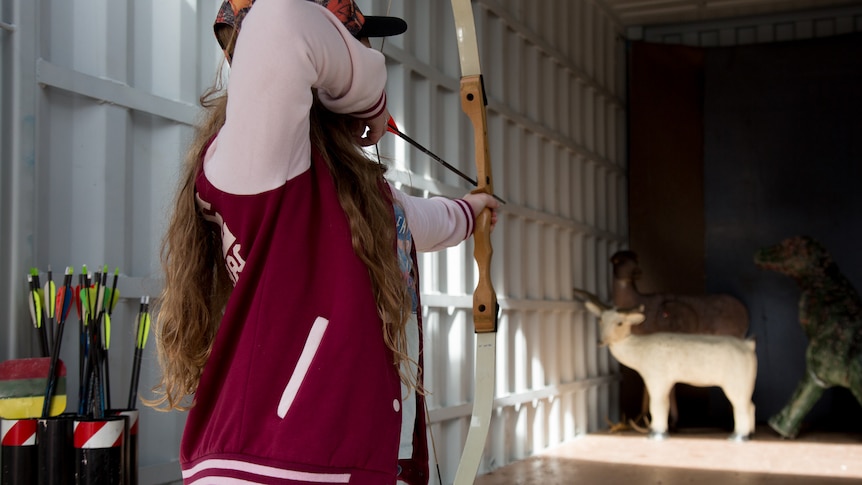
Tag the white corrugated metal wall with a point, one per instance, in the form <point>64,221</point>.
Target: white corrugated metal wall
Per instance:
<point>97,105</point>
<point>97,101</point>
<point>789,26</point>
<point>554,76</point>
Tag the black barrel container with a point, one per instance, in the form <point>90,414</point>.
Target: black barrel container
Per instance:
<point>55,451</point>
<point>19,451</point>
<point>100,450</point>
<point>131,443</point>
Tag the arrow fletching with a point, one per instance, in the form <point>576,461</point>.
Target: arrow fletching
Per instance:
<point>107,335</point>
<point>77,297</point>
<point>35,304</point>
<point>65,297</point>
<point>113,295</point>
<point>60,300</point>
<point>90,295</point>
<point>391,127</point>
<point>50,296</point>
<point>34,272</point>
<point>143,330</point>
<point>100,303</point>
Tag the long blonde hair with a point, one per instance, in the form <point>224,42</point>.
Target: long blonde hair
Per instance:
<point>197,286</point>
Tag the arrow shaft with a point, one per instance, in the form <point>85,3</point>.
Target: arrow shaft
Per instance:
<point>434,156</point>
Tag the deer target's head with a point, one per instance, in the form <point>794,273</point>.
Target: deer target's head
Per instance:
<point>615,324</point>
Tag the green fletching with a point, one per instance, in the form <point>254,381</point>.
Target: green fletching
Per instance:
<point>38,311</point>
<point>85,305</point>
<point>92,298</point>
<point>35,309</point>
<point>111,298</point>
<point>143,330</point>
<point>146,330</point>
<point>107,331</point>
<point>50,297</point>
<point>140,336</point>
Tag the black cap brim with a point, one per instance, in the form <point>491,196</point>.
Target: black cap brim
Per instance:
<point>382,27</point>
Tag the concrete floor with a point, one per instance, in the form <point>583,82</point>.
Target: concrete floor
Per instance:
<point>692,456</point>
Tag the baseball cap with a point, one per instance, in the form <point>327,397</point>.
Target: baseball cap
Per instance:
<point>232,12</point>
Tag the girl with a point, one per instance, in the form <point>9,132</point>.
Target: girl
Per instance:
<point>289,321</point>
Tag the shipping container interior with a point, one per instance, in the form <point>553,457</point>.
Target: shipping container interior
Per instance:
<point>690,132</point>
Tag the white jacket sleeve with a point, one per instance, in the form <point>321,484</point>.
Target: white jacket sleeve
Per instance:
<point>437,222</point>
<point>286,48</point>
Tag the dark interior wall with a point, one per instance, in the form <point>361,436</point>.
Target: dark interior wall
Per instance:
<point>732,149</point>
<point>666,216</point>
<point>783,157</point>
<point>666,220</point>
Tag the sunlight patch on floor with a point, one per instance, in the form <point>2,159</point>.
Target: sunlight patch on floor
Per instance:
<point>714,452</point>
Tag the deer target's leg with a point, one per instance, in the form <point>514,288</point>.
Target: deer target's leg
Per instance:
<point>743,417</point>
<point>787,421</point>
<point>659,405</point>
<point>739,393</point>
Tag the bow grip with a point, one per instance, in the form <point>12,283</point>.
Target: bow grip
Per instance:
<point>473,103</point>
<point>484,297</point>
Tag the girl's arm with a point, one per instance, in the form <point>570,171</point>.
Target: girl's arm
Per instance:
<point>439,222</point>
<point>285,48</point>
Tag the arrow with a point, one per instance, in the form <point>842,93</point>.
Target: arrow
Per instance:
<point>142,333</point>
<point>64,301</point>
<point>49,295</point>
<point>391,127</point>
<point>105,336</point>
<point>36,311</point>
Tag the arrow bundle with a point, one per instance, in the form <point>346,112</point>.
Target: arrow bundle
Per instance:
<point>49,305</point>
<point>96,443</point>
<point>95,338</point>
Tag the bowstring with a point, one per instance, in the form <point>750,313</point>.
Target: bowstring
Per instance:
<point>424,401</point>
<point>382,41</point>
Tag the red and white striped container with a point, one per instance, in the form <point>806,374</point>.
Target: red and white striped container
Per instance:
<point>100,450</point>
<point>19,451</point>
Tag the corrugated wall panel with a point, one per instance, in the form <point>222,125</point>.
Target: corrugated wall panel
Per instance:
<point>107,93</point>
<point>556,126</point>
<point>751,30</point>
<point>96,116</point>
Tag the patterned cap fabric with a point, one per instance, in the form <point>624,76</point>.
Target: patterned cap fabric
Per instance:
<point>230,15</point>
<point>347,12</point>
<point>232,12</point>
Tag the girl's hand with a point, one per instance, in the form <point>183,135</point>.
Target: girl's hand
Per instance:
<point>481,201</point>
<point>370,131</point>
